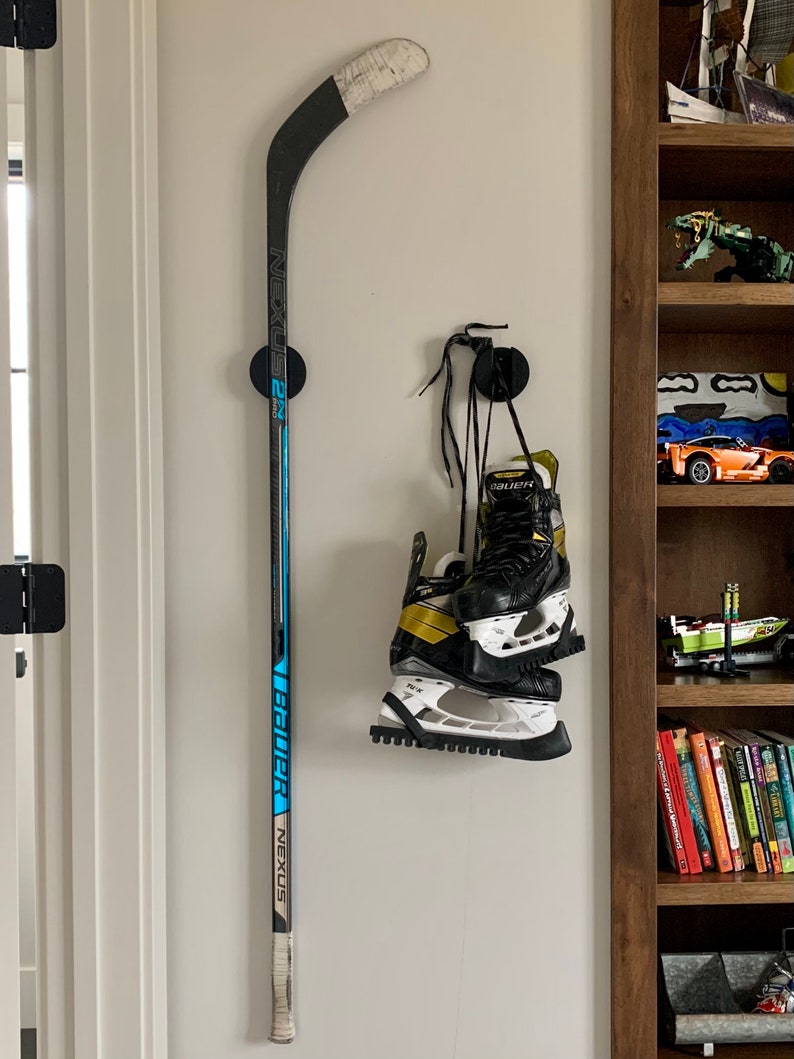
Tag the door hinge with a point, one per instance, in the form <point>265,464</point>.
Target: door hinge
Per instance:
<point>32,598</point>
<point>28,24</point>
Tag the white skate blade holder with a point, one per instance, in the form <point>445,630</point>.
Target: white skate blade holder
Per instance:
<point>499,635</point>
<point>516,718</point>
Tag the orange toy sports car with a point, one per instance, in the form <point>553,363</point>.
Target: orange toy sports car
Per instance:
<point>722,459</point>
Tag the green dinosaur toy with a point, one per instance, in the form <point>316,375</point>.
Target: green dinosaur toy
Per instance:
<point>759,259</point>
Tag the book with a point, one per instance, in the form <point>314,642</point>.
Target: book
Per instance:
<point>711,804</point>
<point>724,796</point>
<point>669,815</point>
<point>758,786</point>
<point>770,845</point>
<point>777,806</point>
<point>784,746</point>
<point>757,768</point>
<point>693,797</point>
<point>737,762</point>
<point>679,801</point>
<point>736,799</point>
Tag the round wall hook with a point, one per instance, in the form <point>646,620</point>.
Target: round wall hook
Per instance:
<point>512,365</point>
<point>259,371</point>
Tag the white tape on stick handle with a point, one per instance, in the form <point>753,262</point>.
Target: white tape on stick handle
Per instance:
<point>282,1027</point>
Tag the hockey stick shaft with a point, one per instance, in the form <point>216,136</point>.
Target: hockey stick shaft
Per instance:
<point>385,66</point>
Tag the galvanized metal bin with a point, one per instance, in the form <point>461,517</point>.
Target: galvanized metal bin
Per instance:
<point>707,998</point>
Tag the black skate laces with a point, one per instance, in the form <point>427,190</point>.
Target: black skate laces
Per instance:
<point>513,539</point>
<point>492,526</point>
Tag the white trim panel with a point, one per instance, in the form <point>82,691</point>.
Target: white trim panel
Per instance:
<point>99,108</point>
<point>9,897</point>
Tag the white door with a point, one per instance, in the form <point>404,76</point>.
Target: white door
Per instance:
<point>9,898</point>
<point>97,688</point>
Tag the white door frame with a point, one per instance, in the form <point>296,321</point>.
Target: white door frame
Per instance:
<point>91,163</point>
<point>9,902</point>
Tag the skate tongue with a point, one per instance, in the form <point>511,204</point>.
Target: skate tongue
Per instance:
<point>511,484</point>
<point>510,487</point>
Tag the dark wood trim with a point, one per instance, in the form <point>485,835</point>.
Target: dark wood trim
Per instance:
<point>633,524</point>
<point>749,494</point>
<point>737,1051</point>
<point>720,162</point>
<point>764,687</point>
<point>730,888</point>
<point>726,307</point>
<point>727,137</point>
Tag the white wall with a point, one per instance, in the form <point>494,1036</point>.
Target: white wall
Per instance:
<point>445,907</point>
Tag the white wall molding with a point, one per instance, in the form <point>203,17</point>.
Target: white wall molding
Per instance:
<point>9,902</point>
<point>96,107</point>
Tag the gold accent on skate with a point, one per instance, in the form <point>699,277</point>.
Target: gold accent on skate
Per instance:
<point>427,623</point>
<point>559,541</point>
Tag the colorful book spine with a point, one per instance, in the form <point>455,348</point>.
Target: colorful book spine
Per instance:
<point>669,815</point>
<point>724,796</point>
<point>711,804</point>
<point>784,771</point>
<point>762,806</point>
<point>783,745</point>
<point>694,800</point>
<point>736,802</point>
<point>770,861</point>
<point>774,793</point>
<point>680,802</point>
<point>738,765</point>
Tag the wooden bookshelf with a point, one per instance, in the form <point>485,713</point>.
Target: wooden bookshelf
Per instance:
<point>757,308</point>
<point>727,495</point>
<point>728,888</point>
<point>720,162</point>
<point>673,546</point>
<point>764,687</point>
<point>728,1051</point>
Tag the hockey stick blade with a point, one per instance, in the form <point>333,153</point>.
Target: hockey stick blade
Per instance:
<point>375,71</point>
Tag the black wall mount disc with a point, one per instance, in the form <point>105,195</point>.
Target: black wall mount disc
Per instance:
<point>260,371</point>
<point>513,369</point>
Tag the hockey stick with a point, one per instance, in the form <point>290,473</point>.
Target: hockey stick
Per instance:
<point>278,373</point>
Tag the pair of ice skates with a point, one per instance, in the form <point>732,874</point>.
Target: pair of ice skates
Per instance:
<point>490,631</point>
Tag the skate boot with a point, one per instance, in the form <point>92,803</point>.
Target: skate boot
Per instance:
<point>514,605</point>
<point>427,662</point>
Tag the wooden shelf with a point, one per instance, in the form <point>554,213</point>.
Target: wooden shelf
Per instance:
<point>722,162</point>
<point>672,546</point>
<point>727,1051</point>
<point>729,495</point>
<point>730,888</point>
<point>727,307</point>
<point>765,687</point>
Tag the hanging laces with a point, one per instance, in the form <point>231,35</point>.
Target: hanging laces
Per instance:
<point>479,345</point>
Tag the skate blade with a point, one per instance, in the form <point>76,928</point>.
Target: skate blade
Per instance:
<point>542,748</point>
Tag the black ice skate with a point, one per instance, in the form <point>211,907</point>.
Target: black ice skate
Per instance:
<point>514,605</point>
<point>427,662</point>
